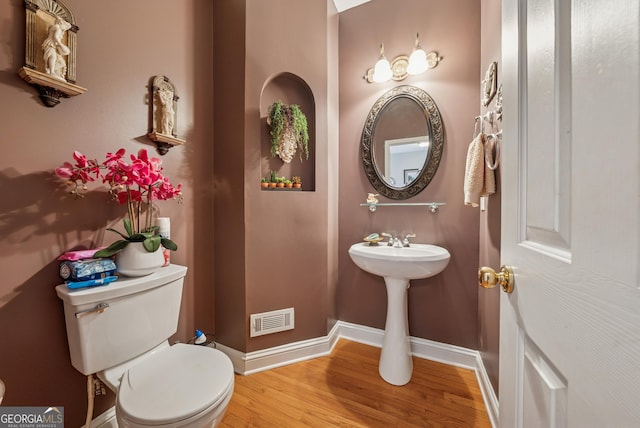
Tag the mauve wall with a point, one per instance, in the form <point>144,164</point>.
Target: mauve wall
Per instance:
<point>489,300</point>
<point>443,308</point>
<point>229,243</point>
<point>121,44</point>
<point>274,250</point>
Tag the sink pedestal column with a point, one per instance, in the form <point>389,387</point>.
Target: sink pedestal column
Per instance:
<point>396,364</point>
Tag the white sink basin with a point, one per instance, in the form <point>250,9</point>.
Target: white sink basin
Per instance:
<point>398,266</point>
<point>414,262</point>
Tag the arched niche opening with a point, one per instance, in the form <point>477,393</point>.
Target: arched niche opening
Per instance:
<point>290,89</point>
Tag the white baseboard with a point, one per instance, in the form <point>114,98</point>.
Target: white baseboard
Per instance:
<point>488,393</point>
<point>257,361</point>
<point>253,362</point>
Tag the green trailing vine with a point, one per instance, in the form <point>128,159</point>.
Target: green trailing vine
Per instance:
<point>281,116</point>
<point>300,127</point>
<point>276,121</point>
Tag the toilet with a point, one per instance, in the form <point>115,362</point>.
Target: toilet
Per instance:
<point>120,333</point>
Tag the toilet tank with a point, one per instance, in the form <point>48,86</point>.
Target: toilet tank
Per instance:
<point>110,324</point>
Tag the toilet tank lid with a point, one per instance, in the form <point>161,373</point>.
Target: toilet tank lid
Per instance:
<point>122,287</point>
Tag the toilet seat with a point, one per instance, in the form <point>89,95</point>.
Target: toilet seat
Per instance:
<point>174,386</point>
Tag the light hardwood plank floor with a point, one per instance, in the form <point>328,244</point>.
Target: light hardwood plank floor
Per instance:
<point>344,389</point>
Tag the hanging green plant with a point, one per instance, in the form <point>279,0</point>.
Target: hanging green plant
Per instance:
<point>288,131</point>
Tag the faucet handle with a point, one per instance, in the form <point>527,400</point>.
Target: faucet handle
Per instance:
<point>405,241</point>
<point>388,235</point>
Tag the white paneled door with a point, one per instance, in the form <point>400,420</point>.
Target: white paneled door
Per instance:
<point>570,330</point>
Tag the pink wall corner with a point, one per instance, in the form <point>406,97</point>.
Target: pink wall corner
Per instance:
<point>490,220</point>
<point>442,308</point>
<point>333,161</point>
<point>279,256</point>
<point>229,245</point>
<point>287,232</point>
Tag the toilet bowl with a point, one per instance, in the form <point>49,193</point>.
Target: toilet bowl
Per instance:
<point>120,332</point>
<point>172,386</point>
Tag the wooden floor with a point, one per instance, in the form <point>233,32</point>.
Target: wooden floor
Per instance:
<point>345,390</point>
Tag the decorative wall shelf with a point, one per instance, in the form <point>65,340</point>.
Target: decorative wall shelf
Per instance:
<point>281,189</point>
<point>433,206</point>
<point>163,104</point>
<point>51,42</point>
<point>164,142</point>
<point>50,89</point>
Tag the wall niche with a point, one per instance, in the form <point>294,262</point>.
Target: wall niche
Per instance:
<point>290,89</point>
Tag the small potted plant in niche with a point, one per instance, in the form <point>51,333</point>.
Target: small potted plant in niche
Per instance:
<point>280,182</point>
<point>288,131</point>
<point>297,182</point>
<point>264,183</point>
<point>288,184</point>
<point>136,185</point>
<point>273,179</point>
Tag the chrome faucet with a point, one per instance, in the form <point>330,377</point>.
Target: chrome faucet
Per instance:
<point>391,238</point>
<point>395,241</point>
<point>405,241</point>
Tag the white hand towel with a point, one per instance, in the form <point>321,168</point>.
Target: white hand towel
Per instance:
<point>479,180</point>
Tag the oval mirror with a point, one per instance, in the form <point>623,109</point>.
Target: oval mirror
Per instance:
<point>402,142</point>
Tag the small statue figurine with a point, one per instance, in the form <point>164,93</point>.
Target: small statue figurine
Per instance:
<point>168,114</point>
<point>372,199</point>
<point>163,128</point>
<point>55,50</point>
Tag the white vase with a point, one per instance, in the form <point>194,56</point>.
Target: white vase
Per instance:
<point>134,260</point>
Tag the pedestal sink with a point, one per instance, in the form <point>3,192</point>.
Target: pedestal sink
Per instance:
<point>398,266</point>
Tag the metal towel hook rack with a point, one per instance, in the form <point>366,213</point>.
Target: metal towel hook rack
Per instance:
<point>497,142</point>
<point>493,139</point>
<point>477,126</point>
<point>479,122</point>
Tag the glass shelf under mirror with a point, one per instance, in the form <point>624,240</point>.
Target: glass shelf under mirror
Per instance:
<point>433,206</point>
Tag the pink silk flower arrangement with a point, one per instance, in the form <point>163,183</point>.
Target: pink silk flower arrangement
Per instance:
<point>136,183</point>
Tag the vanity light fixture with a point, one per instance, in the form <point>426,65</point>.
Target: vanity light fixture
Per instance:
<point>382,70</point>
<point>402,66</point>
<point>418,59</point>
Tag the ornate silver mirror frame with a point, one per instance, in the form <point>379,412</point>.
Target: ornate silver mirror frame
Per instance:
<point>436,138</point>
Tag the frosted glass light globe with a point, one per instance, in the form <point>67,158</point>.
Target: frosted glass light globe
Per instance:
<point>417,61</point>
<point>382,71</point>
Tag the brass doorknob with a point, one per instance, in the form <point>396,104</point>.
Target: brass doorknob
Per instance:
<point>488,278</point>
